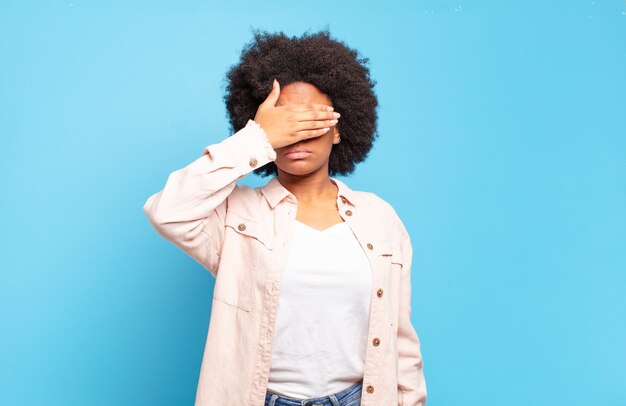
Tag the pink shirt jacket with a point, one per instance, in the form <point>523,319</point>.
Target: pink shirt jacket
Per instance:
<point>242,235</point>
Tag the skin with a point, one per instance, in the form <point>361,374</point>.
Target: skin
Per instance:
<point>307,178</point>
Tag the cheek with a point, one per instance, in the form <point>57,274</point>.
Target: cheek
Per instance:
<point>329,136</point>
<point>322,142</point>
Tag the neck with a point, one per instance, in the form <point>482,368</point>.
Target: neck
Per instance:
<point>310,188</point>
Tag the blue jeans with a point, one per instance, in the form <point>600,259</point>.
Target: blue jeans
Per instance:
<point>350,396</point>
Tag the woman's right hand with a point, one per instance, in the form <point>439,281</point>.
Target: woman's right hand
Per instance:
<point>291,123</point>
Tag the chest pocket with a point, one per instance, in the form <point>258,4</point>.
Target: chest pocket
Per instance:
<point>390,254</point>
<point>396,258</point>
<point>247,245</point>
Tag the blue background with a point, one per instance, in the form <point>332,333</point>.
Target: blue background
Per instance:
<point>503,148</point>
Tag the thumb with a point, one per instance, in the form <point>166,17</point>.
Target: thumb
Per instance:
<point>272,98</point>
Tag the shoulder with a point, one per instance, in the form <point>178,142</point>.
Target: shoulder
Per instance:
<point>375,202</point>
<point>389,223</point>
<point>383,209</point>
<point>245,199</point>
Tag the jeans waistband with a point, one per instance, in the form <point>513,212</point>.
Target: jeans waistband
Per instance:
<point>335,399</point>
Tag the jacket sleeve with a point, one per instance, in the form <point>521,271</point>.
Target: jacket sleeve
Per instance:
<point>410,367</point>
<point>191,208</point>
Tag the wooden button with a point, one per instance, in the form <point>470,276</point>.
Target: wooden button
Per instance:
<point>241,227</point>
<point>348,213</point>
<point>370,246</point>
<point>369,389</point>
<point>379,292</point>
<point>376,342</point>
<point>253,162</point>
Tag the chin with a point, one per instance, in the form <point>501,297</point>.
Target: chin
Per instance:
<point>299,168</point>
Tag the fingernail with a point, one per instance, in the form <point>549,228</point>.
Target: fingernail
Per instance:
<point>329,108</point>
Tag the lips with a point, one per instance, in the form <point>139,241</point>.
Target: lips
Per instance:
<point>291,151</point>
<point>298,152</point>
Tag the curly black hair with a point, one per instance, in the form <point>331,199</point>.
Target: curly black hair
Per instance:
<point>330,65</point>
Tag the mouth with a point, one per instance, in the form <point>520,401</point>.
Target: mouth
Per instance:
<point>297,153</point>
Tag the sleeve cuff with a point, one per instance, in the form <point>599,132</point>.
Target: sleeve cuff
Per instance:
<point>248,148</point>
<point>263,138</point>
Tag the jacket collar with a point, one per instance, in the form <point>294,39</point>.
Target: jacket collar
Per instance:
<point>275,192</point>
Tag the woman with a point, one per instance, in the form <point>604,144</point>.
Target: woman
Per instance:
<point>311,304</point>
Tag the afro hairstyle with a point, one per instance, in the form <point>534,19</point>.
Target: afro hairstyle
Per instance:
<point>330,65</point>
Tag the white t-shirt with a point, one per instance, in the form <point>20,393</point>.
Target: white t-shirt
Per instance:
<point>322,322</point>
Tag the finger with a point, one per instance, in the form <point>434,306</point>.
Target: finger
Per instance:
<point>312,125</point>
<point>303,135</point>
<point>310,106</point>
<point>315,115</point>
<point>272,97</point>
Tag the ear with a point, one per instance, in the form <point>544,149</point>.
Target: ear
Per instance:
<point>337,136</point>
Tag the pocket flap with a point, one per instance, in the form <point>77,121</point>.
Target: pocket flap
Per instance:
<point>249,227</point>
<point>385,248</point>
<point>396,255</point>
